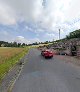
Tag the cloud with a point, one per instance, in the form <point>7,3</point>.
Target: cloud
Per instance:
<point>50,35</point>
<point>5,33</point>
<point>7,15</point>
<point>29,10</point>
<point>54,13</point>
<point>34,40</point>
<point>41,16</point>
<point>21,39</point>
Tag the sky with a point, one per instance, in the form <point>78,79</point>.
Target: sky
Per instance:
<point>28,21</point>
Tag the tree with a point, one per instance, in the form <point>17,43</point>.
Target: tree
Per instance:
<point>14,44</point>
<point>23,44</point>
<point>46,42</point>
<point>74,34</point>
<point>19,44</point>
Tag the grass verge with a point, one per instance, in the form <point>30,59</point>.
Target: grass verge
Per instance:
<point>11,61</point>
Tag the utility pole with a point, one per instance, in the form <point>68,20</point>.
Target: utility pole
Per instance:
<point>59,34</point>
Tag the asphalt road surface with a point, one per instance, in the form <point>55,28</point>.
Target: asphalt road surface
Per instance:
<point>47,75</point>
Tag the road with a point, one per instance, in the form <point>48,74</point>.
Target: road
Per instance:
<point>47,75</point>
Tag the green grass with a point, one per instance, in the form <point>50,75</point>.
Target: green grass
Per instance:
<point>11,61</point>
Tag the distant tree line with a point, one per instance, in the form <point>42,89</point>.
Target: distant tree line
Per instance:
<point>37,43</point>
<point>15,44</point>
<point>12,44</point>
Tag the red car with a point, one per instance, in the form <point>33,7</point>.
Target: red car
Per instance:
<point>47,53</point>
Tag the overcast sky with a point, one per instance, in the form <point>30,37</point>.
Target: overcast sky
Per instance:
<point>38,20</point>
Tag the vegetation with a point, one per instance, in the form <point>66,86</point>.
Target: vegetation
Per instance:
<point>9,57</point>
<point>12,44</point>
<point>74,34</point>
<point>15,44</point>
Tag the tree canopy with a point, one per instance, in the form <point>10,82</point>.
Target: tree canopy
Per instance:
<point>74,34</point>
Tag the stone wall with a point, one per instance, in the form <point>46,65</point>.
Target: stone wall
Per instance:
<point>67,44</point>
<point>78,51</point>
